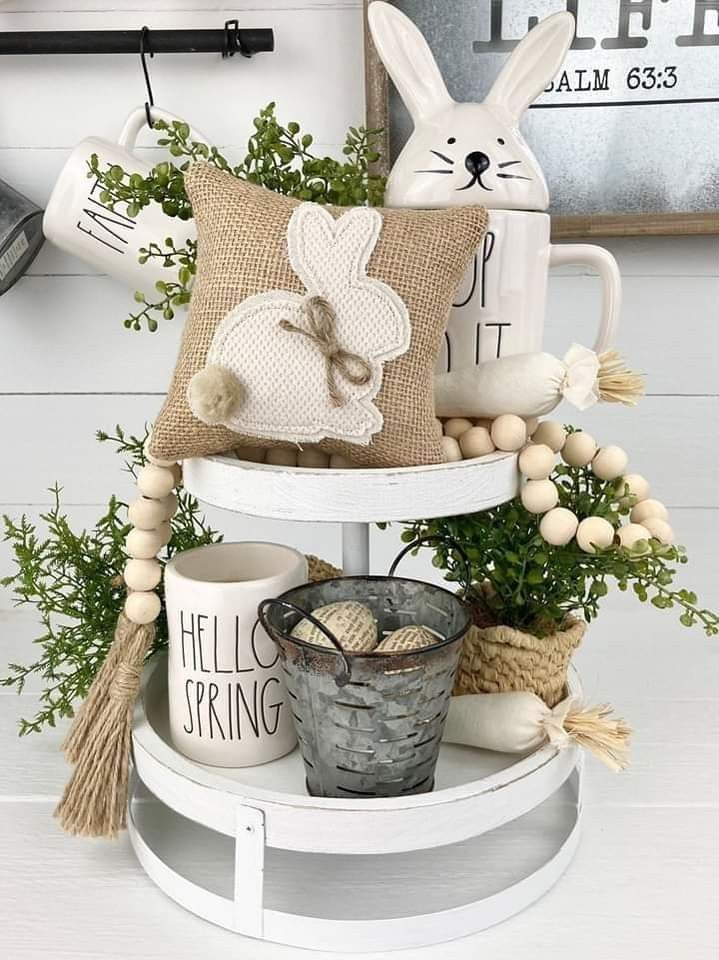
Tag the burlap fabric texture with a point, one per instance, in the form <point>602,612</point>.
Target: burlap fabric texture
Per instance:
<point>242,252</point>
<point>499,659</point>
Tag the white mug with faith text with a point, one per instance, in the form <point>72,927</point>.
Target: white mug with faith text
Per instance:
<point>78,222</point>
<point>501,304</point>
<point>227,698</point>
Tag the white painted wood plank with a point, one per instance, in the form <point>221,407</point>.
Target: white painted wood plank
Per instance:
<point>81,319</point>
<point>670,440</point>
<point>218,97</point>
<point>668,329</point>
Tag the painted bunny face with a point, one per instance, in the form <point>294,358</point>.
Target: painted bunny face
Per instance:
<point>462,153</point>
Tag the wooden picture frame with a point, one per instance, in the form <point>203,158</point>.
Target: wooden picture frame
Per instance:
<point>634,20</point>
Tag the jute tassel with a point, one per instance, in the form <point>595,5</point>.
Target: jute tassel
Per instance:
<point>618,384</point>
<point>597,730</point>
<point>94,802</point>
<point>95,799</point>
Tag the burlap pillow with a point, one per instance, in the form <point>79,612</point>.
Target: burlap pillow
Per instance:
<point>313,324</point>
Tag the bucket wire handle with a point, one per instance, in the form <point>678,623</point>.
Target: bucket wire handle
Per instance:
<point>345,674</point>
<point>450,542</point>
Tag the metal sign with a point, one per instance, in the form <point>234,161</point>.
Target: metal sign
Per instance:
<point>630,125</point>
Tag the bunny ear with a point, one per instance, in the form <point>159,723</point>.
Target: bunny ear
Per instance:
<point>409,61</point>
<point>322,248</point>
<point>533,63</point>
<point>357,233</point>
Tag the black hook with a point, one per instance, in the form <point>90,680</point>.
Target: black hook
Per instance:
<point>233,41</point>
<point>145,48</point>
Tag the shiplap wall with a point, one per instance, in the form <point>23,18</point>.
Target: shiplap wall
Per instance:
<point>67,365</point>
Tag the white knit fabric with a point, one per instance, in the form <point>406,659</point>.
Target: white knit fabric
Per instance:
<point>283,372</point>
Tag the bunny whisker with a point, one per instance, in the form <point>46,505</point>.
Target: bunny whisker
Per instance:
<point>508,163</point>
<point>442,156</point>
<point>434,171</point>
<point>512,176</point>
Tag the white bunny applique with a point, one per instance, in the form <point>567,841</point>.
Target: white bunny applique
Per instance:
<point>304,368</point>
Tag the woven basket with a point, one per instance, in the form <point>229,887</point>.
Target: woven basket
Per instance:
<point>498,659</point>
<point>318,570</point>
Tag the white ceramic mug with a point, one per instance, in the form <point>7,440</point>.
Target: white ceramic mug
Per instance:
<point>79,223</point>
<point>500,306</point>
<point>228,703</point>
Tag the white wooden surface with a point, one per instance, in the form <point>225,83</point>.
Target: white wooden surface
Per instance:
<point>353,496</point>
<point>644,881</point>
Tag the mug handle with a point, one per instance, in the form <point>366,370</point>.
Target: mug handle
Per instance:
<point>138,119</point>
<point>607,268</point>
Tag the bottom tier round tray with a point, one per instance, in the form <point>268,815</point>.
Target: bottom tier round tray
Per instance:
<point>249,850</point>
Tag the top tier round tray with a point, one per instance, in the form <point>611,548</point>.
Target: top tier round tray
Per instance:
<point>355,498</point>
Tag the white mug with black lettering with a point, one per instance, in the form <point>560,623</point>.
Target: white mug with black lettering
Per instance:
<point>227,698</point>
<point>501,304</point>
<point>78,222</point>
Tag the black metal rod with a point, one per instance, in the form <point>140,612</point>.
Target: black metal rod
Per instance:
<point>248,40</point>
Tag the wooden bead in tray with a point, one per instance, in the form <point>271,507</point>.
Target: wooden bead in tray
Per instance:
<point>462,439</point>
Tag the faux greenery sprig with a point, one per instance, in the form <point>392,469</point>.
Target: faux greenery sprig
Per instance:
<point>73,579</point>
<point>521,581</point>
<point>278,157</point>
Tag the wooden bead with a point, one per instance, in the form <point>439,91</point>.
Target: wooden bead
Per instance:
<point>659,529</point>
<point>146,514</point>
<point>281,457</point>
<point>251,454</point>
<point>579,449</point>
<point>144,544</point>
<point>532,424</point>
<point>609,463</point>
<point>450,450</point>
<point>313,459</point>
<point>476,442</point>
<point>631,533</point>
<point>550,433</point>
<point>142,574</point>
<point>165,532</point>
<point>637,486</point>
<point>169,506</point>
<point>558,526</point>
<point>539,496</point>
<point>142,607</point>
<point>338,462</point>
<point>593,533</point>
<point>509,432</point>
<point>456,426</point>
<point>155,482</point>
<point>649,508</point>
<point>536,461</point>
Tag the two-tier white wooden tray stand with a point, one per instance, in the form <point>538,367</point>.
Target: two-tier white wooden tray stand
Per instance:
<point>249,850</point>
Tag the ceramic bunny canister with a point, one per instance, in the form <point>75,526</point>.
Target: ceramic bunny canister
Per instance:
<point>463,153</point>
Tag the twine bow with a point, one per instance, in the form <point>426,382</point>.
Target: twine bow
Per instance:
<point>322,321</point>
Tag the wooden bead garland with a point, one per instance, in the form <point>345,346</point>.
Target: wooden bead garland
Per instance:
<point>150,515</point>
<point>559,525</point>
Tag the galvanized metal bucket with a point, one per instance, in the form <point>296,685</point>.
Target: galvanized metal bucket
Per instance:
<point>370,725</point>
<point>20,234</point>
